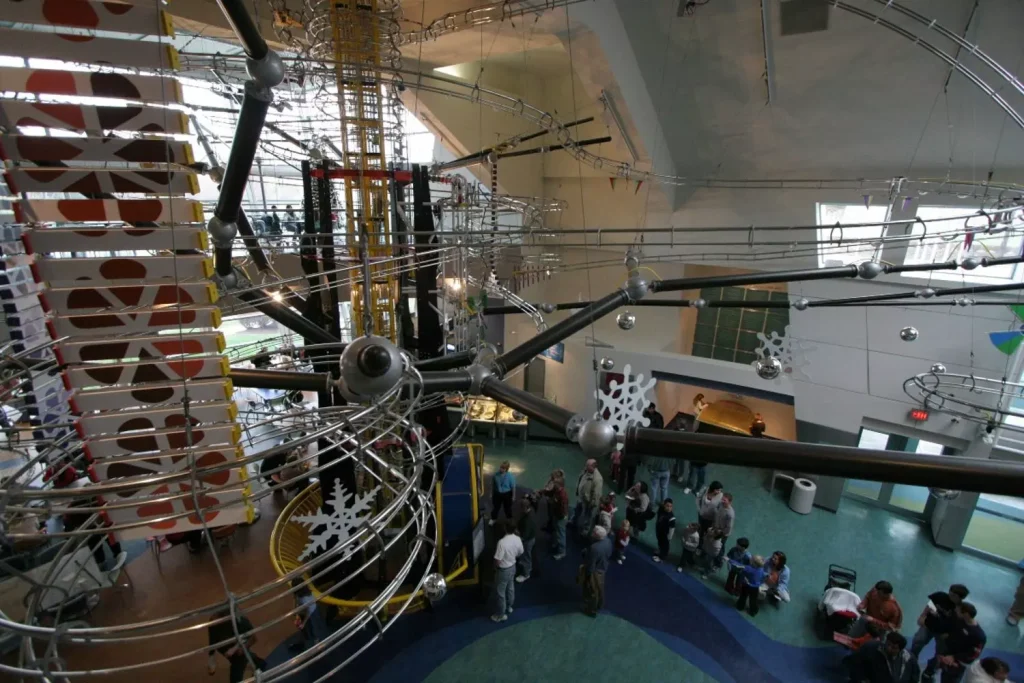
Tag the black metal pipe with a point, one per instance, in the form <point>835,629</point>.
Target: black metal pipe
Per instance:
<point>535,407</point>
<point>552,148</point>
<point>289,380</point>
<point>244,27</point>
<point>948,291</point>
<point>222,260</point>
<point>287,317</point>
<point>459,359</point>
<point>559,332</point>
<point>243,150</point>
<point>682,283</point>
<point>435,381</point>
<point>940,471</point>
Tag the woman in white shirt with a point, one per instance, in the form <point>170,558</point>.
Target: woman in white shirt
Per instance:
<point>988,670</point>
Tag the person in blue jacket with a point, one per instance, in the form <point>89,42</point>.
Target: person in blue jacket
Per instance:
<point>750,586</point>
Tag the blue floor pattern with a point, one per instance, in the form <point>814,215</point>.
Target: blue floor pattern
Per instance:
<point>697,621</point>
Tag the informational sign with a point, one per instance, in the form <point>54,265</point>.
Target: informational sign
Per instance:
<point>555,353</point>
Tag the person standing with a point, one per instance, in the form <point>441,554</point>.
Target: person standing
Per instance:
<point>707,504</point>
<point>558,511</point>
<point>509,549</point>
<point>527,530</point>
<point>232,650</point>
<point>627,470</point>
<point>964,644</point>
<point>593,570</point>
<point>310,621</point>
<point>275,221</point>
<point>664,529</point>
<point>291,221</point>
<point>661,474</point>
<point>885,661</point>
<point>1016,612</point>
<point>937,618</point>
<point>638,504</point>
<point>750,585</point>
<point>503,491</point>
<point>695,477</point>
<point>589,487</point>
<point>724,521</point>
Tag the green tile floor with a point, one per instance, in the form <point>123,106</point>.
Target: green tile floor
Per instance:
<point>878,545</point>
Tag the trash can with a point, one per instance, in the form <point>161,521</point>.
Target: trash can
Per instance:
<point>802,498</point>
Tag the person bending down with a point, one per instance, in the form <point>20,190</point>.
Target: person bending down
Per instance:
<point>776,584</point>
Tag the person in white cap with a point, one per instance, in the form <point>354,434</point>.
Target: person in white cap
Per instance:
<point>595,564</point>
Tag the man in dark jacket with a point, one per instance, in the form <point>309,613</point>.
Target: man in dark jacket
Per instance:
<point>883,662</point>
<point>599,554</point>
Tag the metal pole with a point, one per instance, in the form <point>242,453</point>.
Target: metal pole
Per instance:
<point>244,27</point>
<point>679,284</point>
<point>285,316</point>
<point>536,407</point>
<point>263,188</point>
<point>941,471</point>
<point>279,379</point>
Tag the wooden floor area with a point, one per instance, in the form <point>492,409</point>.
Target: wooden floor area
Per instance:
<point>177,582</point>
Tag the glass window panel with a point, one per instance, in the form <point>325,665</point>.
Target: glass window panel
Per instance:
<point>745,357</point>
<point>780,296</point>
<point>993,532</point>
<point>776,323</point>
<point>752,321</point>
<point>758,295</point>
<point>707,316</point>
<point>726,338</point>
<point>704,334</point>
<point>748,341</point>
<point>851,244</point>
<point>702,350</point>
<point>951,218</point>
<point>729,317</point>
<point>724,353</point>
<point>733,294</point>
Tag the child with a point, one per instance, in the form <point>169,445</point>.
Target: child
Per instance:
<point>664,529</point>
<point>738,558</point>
<point>621,541</point>
<point>691,541</point>
<point>750,585</point>
<point>606,512</point>
<point>616,464</point>
<point>711,547</point>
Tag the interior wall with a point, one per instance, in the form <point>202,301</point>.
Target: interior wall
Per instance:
<point>677,397</point>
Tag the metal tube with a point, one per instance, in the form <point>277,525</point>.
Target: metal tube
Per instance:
<point>243,150</point>
<point>281,314</point>
<point>949,291</point>
<point>222,260</point>
<point>279,379</point>
<point>459,359</point>
<point>535,407</point>
<point>753,278</point>
<point>941,471</point>
<point>560,331</point>
<point>436,381</point>
<point>244,27</point>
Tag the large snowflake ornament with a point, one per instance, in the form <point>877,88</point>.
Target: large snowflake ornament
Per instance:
<point>340,524</point>
<point>627,407</point>
<point>789,351</point>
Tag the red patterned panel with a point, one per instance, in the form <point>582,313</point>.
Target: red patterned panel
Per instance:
<point>76,299</point>
<point>93,119</point>
<point>153,393</point>
<point>49,240</point>
<point>147,346</point>
<point>153,268</point>
<point>132,87</point>
<point>144,18</point>
<point>162,211</point>
<point>89,49</point>
<point>41,150</point>
<point>173,180</point>
<point>140,421</point>
<point>141,372</point>
<point>162,440</point>
<point>142,320</point>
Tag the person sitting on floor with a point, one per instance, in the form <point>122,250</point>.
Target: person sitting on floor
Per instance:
<point>988,670</point>
<point>881,606</point>
<point>776,584</point>
<point>885,661</point>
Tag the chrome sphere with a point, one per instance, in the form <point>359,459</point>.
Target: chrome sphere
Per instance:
<point>547,308</point>
<point>943,494</point>
<point>699,303</point>
<point>801,304</point>
<point>626,320</point>
<point>435,587</point>
<point>869,270</point>
<point>370,366</point>
<point>970,263</point>
<point>596,438</point>
<point>909,334</point>
<point>938,369</point>
<point>768,368</point>
<point>607,363</point>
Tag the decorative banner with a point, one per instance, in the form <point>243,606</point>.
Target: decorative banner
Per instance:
<point>42,150</point>
<point>47,240</point>
<point>138,54</point>
<point>555,353</point>
<point>172,438</point>
<point>152,393</point>
<point>136,320</point>
<point>139,422</point>
<point>149,346</point>
<point>72,271</point>
<point>160,211</point>
<point>172,180</point>
<point>789,351</point>
<point>100,298</point>
<point>143,18</point>
<point>131,87</point>
<point>622,403</point>
<point>87,118</point>
<point>1008,342</point>
<point>157,369</point>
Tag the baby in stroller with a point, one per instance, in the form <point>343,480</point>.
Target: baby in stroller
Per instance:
<point>837,610</point>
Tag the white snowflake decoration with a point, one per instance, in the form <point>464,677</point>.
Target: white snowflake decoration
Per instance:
<point>340,524</point>
<point>787,349</point>
<point>628,407</point>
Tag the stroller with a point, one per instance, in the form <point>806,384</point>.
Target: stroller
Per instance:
<point>837,610</point>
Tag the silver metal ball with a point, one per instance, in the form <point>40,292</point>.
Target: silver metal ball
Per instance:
<point>943,494</point>
<point>699,303</point>
<point>869,270</point>
<point>607,363</point>
<point>636,288</point>
<point>221,232</point>
<point>626,320</point>
<point>547,308</point>
<point>268,72</point>
<point>926,293</point>
<point>938,369</point>
<point>964,301</point>
<point>801,304</point>
<point>768,368</point>
<point>596,438</point>
<point>370,366</point>
<point>909,334</point>
<point>970,263</point>
<point>435,587</point>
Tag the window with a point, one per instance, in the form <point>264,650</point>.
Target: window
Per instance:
<point>843,246</point>
<point>946,219</point>
<point>730,334</point>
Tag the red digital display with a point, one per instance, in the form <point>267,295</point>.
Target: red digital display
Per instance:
<point>919,414</point>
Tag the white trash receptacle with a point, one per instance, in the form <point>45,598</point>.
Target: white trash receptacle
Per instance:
<point>802,498</point>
